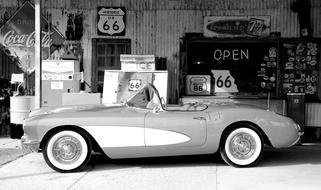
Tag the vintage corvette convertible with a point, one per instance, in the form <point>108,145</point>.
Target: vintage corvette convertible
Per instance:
<point>145,127</point>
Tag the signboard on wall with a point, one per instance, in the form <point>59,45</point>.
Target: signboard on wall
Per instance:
<point>137,62</point>
<point>236,26</point>
<point>111,21</point>
<point>198,84</point>
<point>224,81</point>
<point>18,36</point>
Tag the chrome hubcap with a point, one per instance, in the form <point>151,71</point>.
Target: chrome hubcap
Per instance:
<point>67,150</point>
<point>242,146</point>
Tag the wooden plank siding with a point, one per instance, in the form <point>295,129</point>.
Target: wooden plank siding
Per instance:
<point>156,26</point>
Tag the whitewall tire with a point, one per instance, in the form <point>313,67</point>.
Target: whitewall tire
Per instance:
<point>67,151</point>
<point>242,147</point>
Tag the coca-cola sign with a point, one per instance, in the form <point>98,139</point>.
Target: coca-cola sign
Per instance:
<point>18,36</point>
<point>13,39</point>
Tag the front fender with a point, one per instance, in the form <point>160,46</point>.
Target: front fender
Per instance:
<point>281,131</point>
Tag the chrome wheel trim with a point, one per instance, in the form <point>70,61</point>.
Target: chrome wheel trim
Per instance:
<point>243,146</point>
<point>67,150</point>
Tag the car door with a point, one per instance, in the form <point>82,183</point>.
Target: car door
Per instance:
<point>115,127</point>
<point>179,128</point>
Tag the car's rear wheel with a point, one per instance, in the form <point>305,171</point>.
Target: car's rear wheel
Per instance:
<point>67,151</point>
<point>242,147</point>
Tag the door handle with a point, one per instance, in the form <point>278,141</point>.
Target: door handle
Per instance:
<point>199,118</point>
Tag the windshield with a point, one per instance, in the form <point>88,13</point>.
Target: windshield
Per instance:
<point>146,98</point>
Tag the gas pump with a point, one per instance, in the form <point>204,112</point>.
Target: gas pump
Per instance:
<point>58,77</point>
<point>136,71</point>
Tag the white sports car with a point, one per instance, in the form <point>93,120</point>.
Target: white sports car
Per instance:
<point>145,127</point>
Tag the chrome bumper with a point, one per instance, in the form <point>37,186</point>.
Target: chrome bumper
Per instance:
<point>30,145</point>
<point>300,133</point>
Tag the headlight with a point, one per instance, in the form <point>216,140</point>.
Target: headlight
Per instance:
<point>297,126</point>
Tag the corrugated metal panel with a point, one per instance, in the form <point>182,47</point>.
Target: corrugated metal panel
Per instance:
<point>10,3</point>
<point>316,21</point>
<point>142,32</point>
<point>312,114</point>
<point>93,4</point>
<point>221,4</point>
<point>282,18</point>
<point>316,3</point>
<point>167,45</point>
<point>171,4</point>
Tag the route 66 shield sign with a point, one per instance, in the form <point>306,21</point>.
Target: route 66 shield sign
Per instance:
<point>111,21</point>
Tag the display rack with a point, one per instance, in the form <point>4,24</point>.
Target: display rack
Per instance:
<point>301,67</point>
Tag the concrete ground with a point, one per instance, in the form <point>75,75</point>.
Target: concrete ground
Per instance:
<point>298,167</point>
<point>10,149</point>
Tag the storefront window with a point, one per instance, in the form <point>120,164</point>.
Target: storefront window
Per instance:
<point>246,67</point>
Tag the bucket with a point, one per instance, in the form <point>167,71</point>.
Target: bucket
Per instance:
<point>20,107</point>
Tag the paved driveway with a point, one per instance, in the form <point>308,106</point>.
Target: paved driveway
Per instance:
<point>296,168</point>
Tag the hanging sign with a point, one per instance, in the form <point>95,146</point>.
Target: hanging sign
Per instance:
<point>232,26</point>
<point>137,62</point>
<point>17,78</point>
<point>223,81</point>
<point>198,84</point>
<point>111,21</point>
<point>17,35</point>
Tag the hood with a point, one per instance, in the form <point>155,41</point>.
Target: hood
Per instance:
<point>74,108</point>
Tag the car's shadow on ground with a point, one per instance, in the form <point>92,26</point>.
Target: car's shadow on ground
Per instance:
<point>271,157</point>
<point>296,155</point>
<point>102,162</point>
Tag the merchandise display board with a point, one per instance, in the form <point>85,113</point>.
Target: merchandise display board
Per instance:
<point>242,67</point>
<point>301,67</point>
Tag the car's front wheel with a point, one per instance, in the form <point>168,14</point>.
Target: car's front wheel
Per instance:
<point>67,151</point>
<point>242,147</point>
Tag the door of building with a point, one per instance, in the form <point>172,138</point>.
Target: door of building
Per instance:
<point>106,53</point>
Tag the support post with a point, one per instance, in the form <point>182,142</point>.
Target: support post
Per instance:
<point>38,54</point>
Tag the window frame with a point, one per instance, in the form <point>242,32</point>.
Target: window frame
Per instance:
<point>96,84</point>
